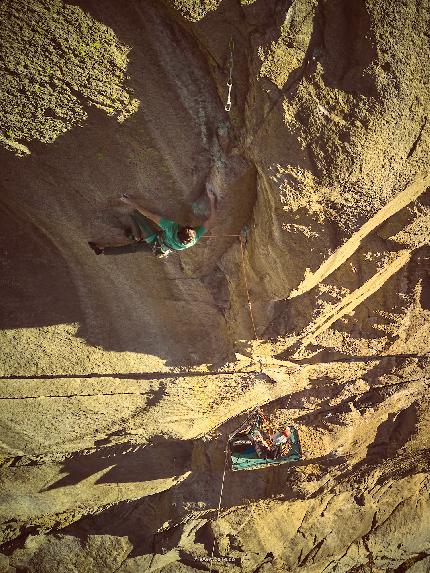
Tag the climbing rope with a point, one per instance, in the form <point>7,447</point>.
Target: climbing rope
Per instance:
<point>219,502</point>
<point>245,278</point>
<point>230,77</point>
<point>251,314</point>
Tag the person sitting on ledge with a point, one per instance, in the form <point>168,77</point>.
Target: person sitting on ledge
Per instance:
<point>167,236</point>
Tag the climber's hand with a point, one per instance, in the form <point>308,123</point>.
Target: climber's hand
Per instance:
<point>213,204</point>
<point>126,199</point>
<point>163,255</point>
<point>211,194</point>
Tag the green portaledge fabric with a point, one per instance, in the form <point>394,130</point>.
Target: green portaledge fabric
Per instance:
<point>249,459</point>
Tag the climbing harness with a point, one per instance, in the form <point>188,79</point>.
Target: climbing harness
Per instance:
<point>230,78</point>
<point>159,249</point>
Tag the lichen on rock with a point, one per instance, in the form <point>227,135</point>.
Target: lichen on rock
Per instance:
<point>195,10</point>
<point>55,61</point>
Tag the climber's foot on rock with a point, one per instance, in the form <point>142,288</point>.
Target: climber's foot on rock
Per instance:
<point>131,236</point>
<point>98,250</point>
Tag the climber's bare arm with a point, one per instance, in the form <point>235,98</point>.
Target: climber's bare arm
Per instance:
<point>139,207</point>
<point>212,199</point>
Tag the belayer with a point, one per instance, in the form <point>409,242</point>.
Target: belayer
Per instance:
<point>146,231</point>
<point>267,442</point>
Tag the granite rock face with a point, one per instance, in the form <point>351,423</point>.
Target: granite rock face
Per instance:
<point>122,376</point>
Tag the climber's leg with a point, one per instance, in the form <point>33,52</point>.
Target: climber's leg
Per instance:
<point>136,229</point>
<point>134,247</point>
<point>144,225</point>
<point>131,228</point>
<point>119,247</point>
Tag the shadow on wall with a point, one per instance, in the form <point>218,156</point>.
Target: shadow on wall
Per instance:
<point>128,303</point>
<point>370,320</point>
<point>56,200</point>
<point>389,450</point>
<point>57,60</point>
<point>347,46</point>
<point>162,153</point>
<point>394,433</point>
<point>142,520</point>
<point>161,459</point>
<point>35,282</point>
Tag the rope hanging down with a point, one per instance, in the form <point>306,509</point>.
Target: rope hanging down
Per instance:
<point>230,77</point>
<point>251,314</point>
<point>219,503</point>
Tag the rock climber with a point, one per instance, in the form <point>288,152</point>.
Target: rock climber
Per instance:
<point>148,231</point>
<point>268,443</point>
<point>280,440</point>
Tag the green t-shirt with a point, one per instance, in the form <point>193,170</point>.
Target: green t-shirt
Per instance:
<point>169,239</point>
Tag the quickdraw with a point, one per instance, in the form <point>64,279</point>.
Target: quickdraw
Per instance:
<point>230,78</point>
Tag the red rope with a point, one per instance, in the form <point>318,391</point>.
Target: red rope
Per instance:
<point>242,253</point>
<point>251,314</point>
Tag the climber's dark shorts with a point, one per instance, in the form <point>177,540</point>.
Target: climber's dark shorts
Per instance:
<point>147,228</point>
<point>131,248</point>
<point>148,236</point>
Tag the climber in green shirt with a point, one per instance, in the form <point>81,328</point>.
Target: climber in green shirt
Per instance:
<point>151,232</point>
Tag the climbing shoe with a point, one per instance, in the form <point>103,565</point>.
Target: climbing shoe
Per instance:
<point>95,248</point>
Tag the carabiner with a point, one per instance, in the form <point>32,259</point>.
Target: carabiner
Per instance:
<point>228,104</point>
